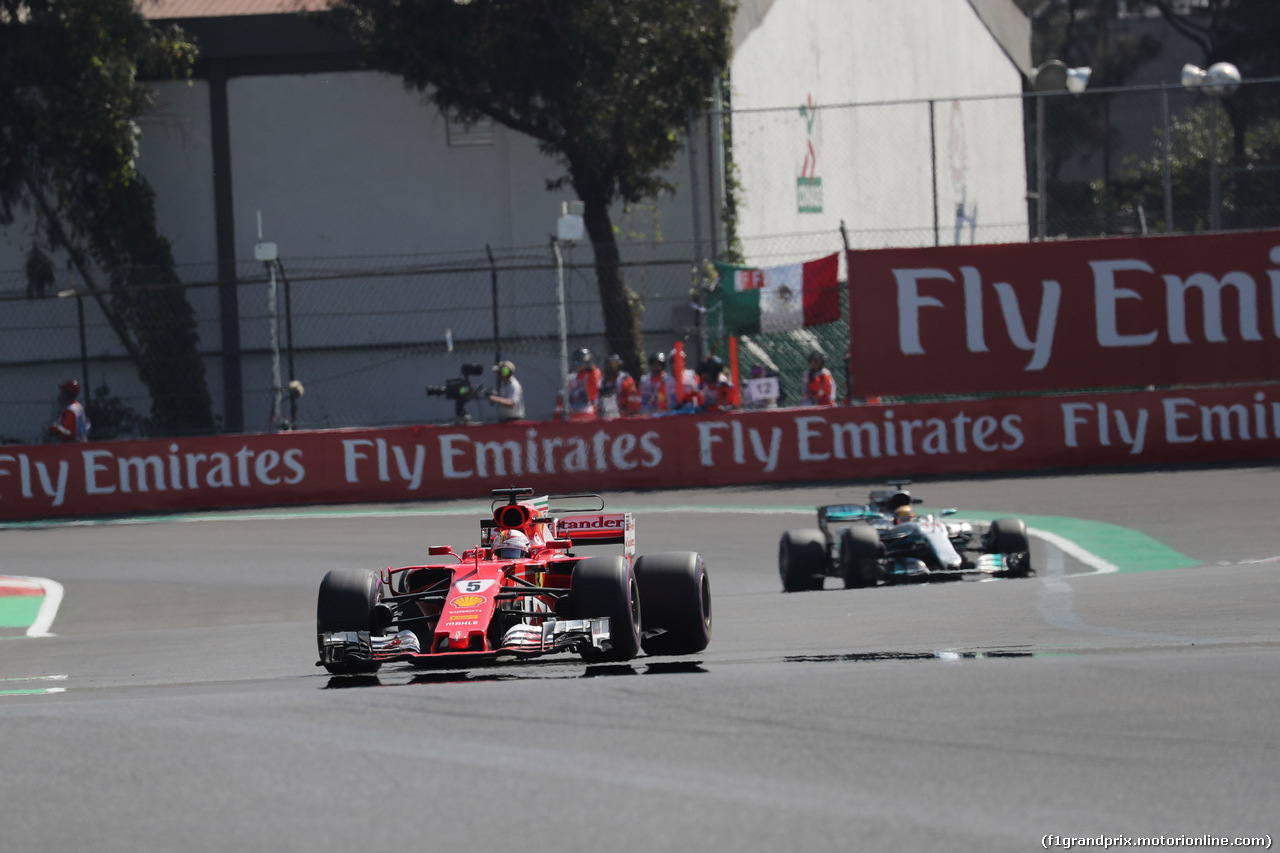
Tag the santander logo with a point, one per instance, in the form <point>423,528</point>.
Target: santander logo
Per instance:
<point>597,522</point>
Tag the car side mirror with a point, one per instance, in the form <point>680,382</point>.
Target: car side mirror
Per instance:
<point>951,511</point>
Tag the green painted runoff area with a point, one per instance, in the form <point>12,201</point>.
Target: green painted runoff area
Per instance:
<point>1128,550</point>
<point>19,611</point>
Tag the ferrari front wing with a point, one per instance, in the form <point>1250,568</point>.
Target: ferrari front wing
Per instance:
<point>521,641</point>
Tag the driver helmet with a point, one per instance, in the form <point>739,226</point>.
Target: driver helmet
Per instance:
<point>903,514</point>
<point>510,545</point>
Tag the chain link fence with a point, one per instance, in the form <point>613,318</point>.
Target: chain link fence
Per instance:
<point>1154,160</point>
<point>365,337</point>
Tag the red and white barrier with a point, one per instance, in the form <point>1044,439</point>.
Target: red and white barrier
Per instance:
<point>1106,313</point>
<point>786,445</point>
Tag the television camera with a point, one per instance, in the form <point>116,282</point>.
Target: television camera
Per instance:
<point>461,390</point>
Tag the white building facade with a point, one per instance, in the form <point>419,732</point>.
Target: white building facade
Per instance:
<point>911,124</point>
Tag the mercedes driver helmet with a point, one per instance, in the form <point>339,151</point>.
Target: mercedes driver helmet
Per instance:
<point>903,514</point>
<point>511,545</point>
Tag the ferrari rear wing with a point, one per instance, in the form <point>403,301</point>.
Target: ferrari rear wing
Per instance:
<point>614,528</point>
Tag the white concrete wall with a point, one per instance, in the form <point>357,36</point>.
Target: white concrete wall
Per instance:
<point>353,164</point>
<point>874,160</point>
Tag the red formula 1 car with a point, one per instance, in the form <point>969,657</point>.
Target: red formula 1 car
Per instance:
<point>522,593</point>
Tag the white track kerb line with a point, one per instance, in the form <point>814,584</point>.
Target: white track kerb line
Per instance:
<point>48,608</point>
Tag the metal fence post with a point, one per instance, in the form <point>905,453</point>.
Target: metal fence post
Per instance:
<point>933,172</point>
<point>1040,170</point>
<point>493,282</point>
<point>1168,167</point>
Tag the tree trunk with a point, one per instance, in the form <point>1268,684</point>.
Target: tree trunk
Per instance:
<point>619,303</point>
<point>154,323</point>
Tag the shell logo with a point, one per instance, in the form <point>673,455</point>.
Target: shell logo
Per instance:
<point>468,601</point>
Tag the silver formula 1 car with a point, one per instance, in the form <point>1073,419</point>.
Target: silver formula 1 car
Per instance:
<point>885,541</point>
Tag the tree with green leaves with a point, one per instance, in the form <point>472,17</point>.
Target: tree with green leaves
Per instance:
<point>607,87</point>
<point>1244,33</point>
<point>69,93</point>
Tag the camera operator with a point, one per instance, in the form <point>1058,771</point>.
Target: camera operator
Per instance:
<point>508,396</point>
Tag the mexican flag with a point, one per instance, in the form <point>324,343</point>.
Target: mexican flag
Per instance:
<point>776,299</point>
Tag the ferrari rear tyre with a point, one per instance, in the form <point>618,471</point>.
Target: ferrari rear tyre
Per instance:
<point>675,596</point>
<point>606,586</point>
<point>802,560</point>
<point>1008,537</point>
<point>346,601</point>
<point>860,554</point>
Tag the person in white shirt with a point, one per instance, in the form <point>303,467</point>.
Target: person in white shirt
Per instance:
<point>508,396</point>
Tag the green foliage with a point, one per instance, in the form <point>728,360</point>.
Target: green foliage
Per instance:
<point>69,93</point>
<point>732,252</point>
<point>606,87</point>
<point>1250,190</point>
<point>111,417</point>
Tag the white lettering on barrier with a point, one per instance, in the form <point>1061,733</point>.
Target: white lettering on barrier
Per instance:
<point>106,473</point>
<point>819,438</point>
<point>1105,296</point>
<point>353,452</point>
<point>893,437</point>
<point>1108,296</point>
<point>910,302</point>
<point>1078,415</point>
<point>708,438</point>
<point>57,491</point>
<point>1233,422</point>
<point>132,474</point>
<point>1185,422</point>
<point>462,457</point>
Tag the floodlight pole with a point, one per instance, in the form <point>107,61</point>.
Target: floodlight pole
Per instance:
<point>1215,181</point>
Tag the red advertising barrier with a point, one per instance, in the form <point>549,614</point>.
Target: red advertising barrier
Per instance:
<point>786,445</point>
<point>1106,313</point>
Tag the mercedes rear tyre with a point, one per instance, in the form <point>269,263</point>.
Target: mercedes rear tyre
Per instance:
<point>802,560</point>
<point>346,601</point>
<point>606,586</point>
<point>860,555</point>
<point>675,596</point>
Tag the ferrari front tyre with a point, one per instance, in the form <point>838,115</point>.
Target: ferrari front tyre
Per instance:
<point>606,586</point>
<point>802,560</point>
<point>860,555</point>
<point>675,596</point>
<point>1008,537</point>
<point>346,602</point>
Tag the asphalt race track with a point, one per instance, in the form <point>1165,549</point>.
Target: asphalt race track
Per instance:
<point>983,716</point>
